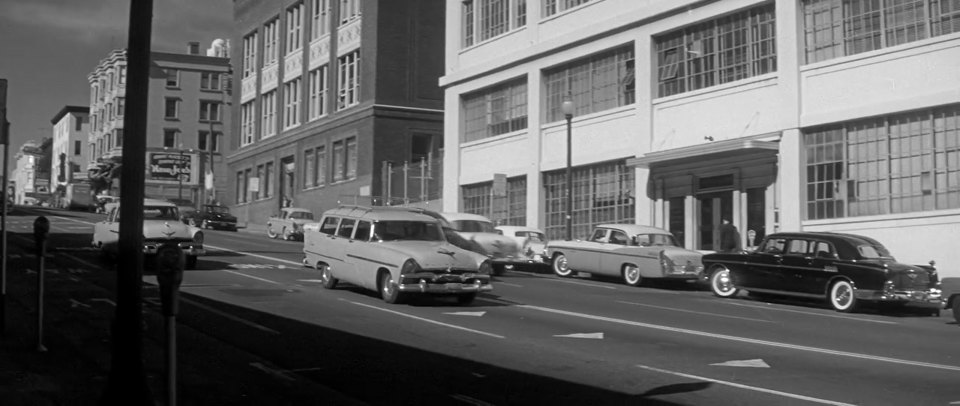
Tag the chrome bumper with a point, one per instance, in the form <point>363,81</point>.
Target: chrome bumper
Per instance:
<point>428,282</point>
<point>931,298</point>
<point>189,249</point>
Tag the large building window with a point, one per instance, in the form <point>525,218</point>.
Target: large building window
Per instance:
<point>510,209</point>
<point>318,92</point>
<point>209,111</point>
<point>485,19</point>
<point>171,138</point>
<point>602,193</point>
<point>597,83</point>
<point>345,159</point>
<point>320,19</point>
<point>268,107</point>
<point>248,112</point>
<point>173,79</point>
<point>206,142</point>
<point>348,79</point>
<point>895,164</point>
<point>835,28</point>
<point>294,28</point>
<point>291,103</point>
<point>210,81</point>
<point>271,36</point>
<point>171,108</point>
<point>349,11</point>
<point>494,111</point>
<point>718,51</point>
<point>551,7</point>
<point>250,55</point>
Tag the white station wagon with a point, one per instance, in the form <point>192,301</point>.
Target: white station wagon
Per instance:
<point>161,224</point>
<point>393,251</point>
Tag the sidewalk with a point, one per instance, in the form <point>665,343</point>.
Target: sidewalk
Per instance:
<point>78,311</point>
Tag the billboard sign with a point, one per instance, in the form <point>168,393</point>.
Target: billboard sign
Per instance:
<point>172,168</point>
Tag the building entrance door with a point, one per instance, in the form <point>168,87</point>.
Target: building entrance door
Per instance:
<point>712,209</point>
<point>286,181</point>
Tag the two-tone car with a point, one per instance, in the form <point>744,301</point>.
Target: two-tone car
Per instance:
<point>532,242</point>
<point>289,223</point>
<point>161,225</point>
<point>397,253</point>
<point>845,270</point>
<point>210,216</point>
<point>632,252</point>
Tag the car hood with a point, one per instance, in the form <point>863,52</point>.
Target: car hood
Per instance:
<point>436,254</point>
<point>494,244</point>
<point>167,230</point>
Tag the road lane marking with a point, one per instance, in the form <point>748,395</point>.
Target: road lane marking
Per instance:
<point>472,314</point>
<point>425,320</point>
<point>272,371</point>
<point>803,312</point>
<point>581,283</point>
<point>295,263</point>
<point>742,386</point>
<point>746,363</point>
<point>469,400</point>
<point>250,276</point>
<point>696,312</point>
<point>230,316</point>
<point>594,336</point>
<point>509,284</point>
<point>745,340</point>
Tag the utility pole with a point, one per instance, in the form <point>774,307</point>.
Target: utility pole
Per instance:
<point>5,140</point>
<point>127,382</point>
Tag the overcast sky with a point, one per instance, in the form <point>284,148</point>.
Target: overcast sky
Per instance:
<point>48,47</point>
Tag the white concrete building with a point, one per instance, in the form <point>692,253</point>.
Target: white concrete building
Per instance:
<point>814,115</point>
<point>69,136</point>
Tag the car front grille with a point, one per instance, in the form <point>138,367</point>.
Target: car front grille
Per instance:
<point>911,281</point>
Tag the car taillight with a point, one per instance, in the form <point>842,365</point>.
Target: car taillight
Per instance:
<point>410,266</point>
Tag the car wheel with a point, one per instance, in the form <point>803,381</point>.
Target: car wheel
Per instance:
<point>388,290</point>
<point>326,278</point>
<point>270,232</point>
<point>560,266</point>
<point>842,297</point>
<point>191,262</point>
<point>721,283</point>
<point>956,309</point>
<point>466,299</point>
<point>192,222</point>
<point>631,275</point>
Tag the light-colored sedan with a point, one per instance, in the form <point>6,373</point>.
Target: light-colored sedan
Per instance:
<point>531,241</point>
<point>630,251</point>
<point>161,224</point>
<point>288,224</point>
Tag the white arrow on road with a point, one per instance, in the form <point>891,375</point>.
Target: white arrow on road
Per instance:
<point>595,336</point>
<point>748,363</point>
<point>77,303</point>
<point>474,314</point>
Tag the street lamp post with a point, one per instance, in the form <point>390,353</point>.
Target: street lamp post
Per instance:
<point>567,108</point>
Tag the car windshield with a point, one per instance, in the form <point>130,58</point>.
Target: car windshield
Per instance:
<point>407,230</point>
<point>474,226</point>
<point>532,236</point>
<point>218,209</point>
<point>159,213</point>
<point>874,251</point>
<point>301,215</point>
<point>659,240</point>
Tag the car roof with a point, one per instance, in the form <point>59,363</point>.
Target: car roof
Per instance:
<point>634,229</point>
<point>295,209</point>
<point>518,228</point>
<point>450,216</point>
<point>829,236</point>
<point>380,213</point>
<point>146,202</point>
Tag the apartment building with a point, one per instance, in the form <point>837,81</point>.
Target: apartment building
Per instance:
<point>68,163</point>
<point>333,93</point>
<point>815,115</point>
<point>187,107</point>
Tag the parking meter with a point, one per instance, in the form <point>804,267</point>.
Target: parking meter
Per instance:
<point>170,264</point>
<point>41,227</point>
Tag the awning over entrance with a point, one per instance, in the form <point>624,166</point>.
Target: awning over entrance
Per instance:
<point>707,151</point>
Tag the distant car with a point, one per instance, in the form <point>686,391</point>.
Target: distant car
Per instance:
<point>289,223</point>
<point>210,216</point>
<point>843,269</point>
<point>161,224</point>
<point>394,252</point>
<point>477,233</point>
<point>532,242</point>
<point>103,200</point>
<point>632,252</point>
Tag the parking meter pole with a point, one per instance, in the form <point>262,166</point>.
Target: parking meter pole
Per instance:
<point>170,263</point>
<point>41,227</point>
<point>5,140</point>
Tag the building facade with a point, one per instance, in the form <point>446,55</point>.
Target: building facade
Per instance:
<point>187,108</point>
<point>70,131</point>
<point>333,93</point>
<point>815,115</point>
<point>31,173</point>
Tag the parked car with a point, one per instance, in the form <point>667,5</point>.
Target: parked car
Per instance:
<point>532,242</point>
<point>632,252</point>
<point>289,223</point>
<point>844,269</point>
<point>478,234</point>
<point>161,224</point>
<point>951,296</point>
<point>394,252</point>
<point>210,216</point>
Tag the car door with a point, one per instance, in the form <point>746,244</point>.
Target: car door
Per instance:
<point>585,255</point>
<point>341,241</point>
<point>810,273</point>
<point>615,253</point>
<point>325,246</point>
<point>358,254</point>
<point>794,266</point>
<point>762,268</point>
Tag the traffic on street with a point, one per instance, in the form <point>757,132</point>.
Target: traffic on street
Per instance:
<point>536,337</point>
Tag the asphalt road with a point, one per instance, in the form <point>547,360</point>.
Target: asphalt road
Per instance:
<point>538,338</point>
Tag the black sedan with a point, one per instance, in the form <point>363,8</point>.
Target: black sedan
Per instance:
<point>844,269</point>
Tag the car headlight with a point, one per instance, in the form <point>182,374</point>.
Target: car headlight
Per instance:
<point>485,268</point>
<point>410,266</point>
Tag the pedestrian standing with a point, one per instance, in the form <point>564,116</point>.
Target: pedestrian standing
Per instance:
<point>729,237</point>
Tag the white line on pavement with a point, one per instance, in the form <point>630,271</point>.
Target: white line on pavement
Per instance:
<point>423,319</point>
<point>803,312</point>
<point>299,264</point>
<point>746,340</point>
<point>250,276</point>
<point>230,316</point>
<point>695,312</point>
<point>753,388</point>
<point>509,284</point>
<point>581,283</point>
